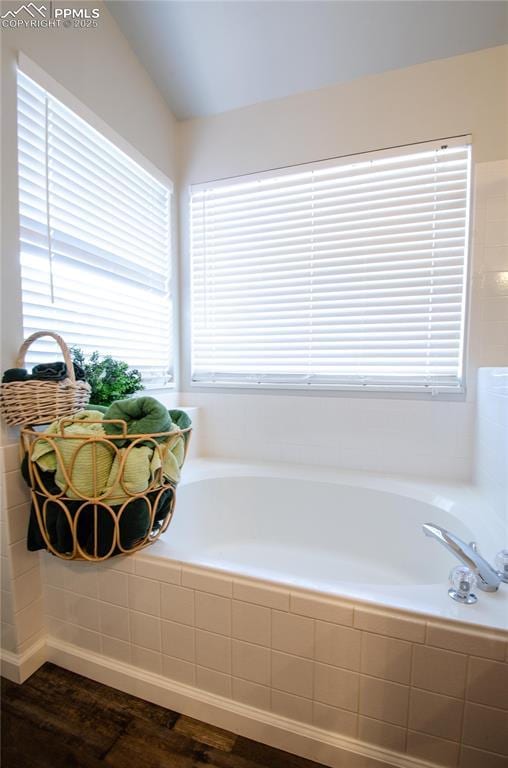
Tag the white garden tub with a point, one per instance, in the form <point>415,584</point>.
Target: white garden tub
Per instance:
<point>353,535</point>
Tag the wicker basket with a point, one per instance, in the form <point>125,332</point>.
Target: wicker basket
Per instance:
<point>92,527</point>
<point>41,402</point>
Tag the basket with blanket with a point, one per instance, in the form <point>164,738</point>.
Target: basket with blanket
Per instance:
<point>103,481</point>
<point>49,392</point>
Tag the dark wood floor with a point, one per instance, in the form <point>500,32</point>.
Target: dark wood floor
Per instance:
<point>57,719</point>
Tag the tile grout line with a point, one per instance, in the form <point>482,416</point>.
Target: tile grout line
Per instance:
<point>411,667</point>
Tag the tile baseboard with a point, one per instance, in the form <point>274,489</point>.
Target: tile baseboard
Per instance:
<point>18,667</point>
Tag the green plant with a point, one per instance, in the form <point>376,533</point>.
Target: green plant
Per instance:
<point>109,379</point>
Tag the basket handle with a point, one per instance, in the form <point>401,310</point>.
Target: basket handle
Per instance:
<point>20,360</point>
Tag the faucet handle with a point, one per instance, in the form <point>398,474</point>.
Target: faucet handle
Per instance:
<point>501,565</point>
<point>463,581</point>
<point>474,546</point>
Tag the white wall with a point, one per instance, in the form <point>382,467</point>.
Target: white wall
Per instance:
<point>461,95</point>
<point>98,67</point>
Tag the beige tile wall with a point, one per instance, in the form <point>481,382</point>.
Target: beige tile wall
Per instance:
<point>431,690</point>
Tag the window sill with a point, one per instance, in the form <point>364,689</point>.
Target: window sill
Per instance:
<point>329,390</point>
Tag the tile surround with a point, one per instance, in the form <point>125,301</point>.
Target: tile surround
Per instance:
<point>383,623</point>
<point>292,674</point>
<point>488,682</point>
<point>294,707</point>
<point>337,645</point>
<point>384,700</point>
<point>177,604</point>
<point>391,679</point>
<point>251,693</point>
<point>214,682</point>
<point>382,734</point>
<point>439,671</point>
<point>386,658</point>
<point>145,630</point>
<point>23,606</point>
<point>116,649</point>
<point>435,714</point>
<point>145,566</point>
<point>213,651</point>
<point>113,587</point>
<point>427,747</point>
<point>145,595</point>
<point>329,718</point>
<point>146,659</point>
<point>292,634</point>
<point>213,613</point>
<point>319,608</point>
<point>179,670</point>
<point>251,623</point>
<point>473,758</point>
<point>484,644</point>
<point>335,686</point>
<point>114,621</point>
<point>491,456</point>
<point>268,596</point>
<point>486,728</point>
<point>207,582</point>
<point>251,662</point>
<point>178,640</point>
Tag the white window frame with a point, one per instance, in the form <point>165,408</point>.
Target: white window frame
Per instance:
<point>32,70</point>
<point>390,390</point>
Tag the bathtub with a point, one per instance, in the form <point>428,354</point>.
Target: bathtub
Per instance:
<point>344,534</point>
<point>300,607</point>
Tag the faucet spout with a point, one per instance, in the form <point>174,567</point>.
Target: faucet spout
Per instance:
<point>488,578</point>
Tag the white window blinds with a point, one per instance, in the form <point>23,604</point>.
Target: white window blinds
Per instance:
<point>346,273</point>
<point>95,240</point>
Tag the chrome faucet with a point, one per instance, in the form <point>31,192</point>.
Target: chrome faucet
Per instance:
<point>488,578</point>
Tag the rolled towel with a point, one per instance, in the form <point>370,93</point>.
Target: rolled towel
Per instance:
<point>15,374</point>
<point>56,372</point>
<point>142,415</point>
<point>180,419</point>
<point>50,371</point>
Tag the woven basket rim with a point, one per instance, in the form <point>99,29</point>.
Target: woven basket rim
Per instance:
<point>94,438</point>
<point>68,382</point>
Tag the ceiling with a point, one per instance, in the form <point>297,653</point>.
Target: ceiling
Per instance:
<point>212,56</point>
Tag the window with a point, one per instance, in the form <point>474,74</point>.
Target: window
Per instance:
<point>95,240</point>
<point>348,273</point>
